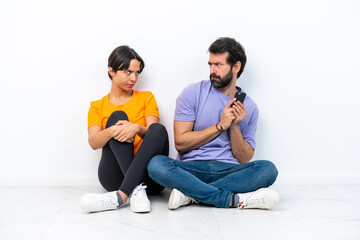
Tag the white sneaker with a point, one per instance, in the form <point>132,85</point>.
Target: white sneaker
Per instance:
<point>178,199</point>
<point>139,201</point>
<point>93,202</point>
<point>263,198</point>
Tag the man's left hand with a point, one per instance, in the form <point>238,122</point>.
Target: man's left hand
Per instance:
<point>239,112</point>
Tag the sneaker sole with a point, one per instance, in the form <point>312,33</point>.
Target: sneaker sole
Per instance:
<point>140,209</point>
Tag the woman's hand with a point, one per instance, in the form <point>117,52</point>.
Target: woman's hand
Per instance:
<point>124,131</point>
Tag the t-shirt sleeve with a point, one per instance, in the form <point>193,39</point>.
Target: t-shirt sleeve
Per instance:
<point>94,115</point>
<point>185,110</point>
<point>151,108</point>
<point>250,133</point>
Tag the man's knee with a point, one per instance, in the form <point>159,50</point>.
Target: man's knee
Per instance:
<point>157,166</point>
<point>270,171</point>
<point>153,165</point>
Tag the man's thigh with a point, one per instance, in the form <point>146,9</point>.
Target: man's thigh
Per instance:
<point>245,177</point>
<point>219,170</point>
<point>199,169</point>
<point>210,170</point>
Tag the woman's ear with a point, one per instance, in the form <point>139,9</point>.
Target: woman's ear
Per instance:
<point>111,71</point>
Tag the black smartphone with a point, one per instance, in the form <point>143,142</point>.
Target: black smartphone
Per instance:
<point>240,96</point>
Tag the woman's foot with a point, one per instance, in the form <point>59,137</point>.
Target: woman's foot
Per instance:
<point>93,202</point>
<point>139,201</point>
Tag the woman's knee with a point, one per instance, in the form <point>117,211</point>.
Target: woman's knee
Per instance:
<point>157,133</point>
<point>157,129</point>
<point>115,117</point>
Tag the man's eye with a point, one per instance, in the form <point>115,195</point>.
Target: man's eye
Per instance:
<point>137,73</point>
<point>128,72</point>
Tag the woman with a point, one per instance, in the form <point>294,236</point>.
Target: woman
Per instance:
<point>125,124</point>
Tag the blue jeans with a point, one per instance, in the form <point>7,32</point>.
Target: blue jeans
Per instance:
<point>211,182</point>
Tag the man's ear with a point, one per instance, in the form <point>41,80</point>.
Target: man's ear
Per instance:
<point>237,66</point>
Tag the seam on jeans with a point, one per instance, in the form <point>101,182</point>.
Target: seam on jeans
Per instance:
<point>252,164</point>
<point>211,171</point>
<point>248,165</point>
<point>190,169</point>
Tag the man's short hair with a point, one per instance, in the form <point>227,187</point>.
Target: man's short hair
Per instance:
<point>234,48</point>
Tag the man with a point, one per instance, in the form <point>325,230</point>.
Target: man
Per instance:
<point>215,137</point>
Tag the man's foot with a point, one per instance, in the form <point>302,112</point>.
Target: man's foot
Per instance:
<point>139,201</point>
<point>93,202</point>
<point>263,198</point>
<point>178,199</point>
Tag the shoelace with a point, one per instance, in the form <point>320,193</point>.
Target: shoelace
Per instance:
<point>140,191</point>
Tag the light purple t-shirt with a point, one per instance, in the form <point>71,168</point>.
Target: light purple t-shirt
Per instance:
<point>202,103</point>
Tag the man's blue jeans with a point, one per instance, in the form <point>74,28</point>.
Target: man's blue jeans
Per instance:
<point>211,182</point>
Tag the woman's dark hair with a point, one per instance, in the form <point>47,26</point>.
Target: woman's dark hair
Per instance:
<point>234,48</point>
<point>120,59</point>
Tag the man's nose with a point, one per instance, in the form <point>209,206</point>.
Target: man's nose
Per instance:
<point>212,69</point>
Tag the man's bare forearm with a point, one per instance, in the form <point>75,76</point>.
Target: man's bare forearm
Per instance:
<point>240,148</point>
<point>194,139</point>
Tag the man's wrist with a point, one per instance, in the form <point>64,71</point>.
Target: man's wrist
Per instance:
<point>219,127</point>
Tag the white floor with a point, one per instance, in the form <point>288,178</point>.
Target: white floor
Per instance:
<point>305,212</point>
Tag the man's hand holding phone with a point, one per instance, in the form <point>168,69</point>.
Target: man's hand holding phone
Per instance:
<point>239,108</point>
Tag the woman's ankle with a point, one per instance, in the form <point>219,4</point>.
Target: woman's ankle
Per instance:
<point>123,196</point>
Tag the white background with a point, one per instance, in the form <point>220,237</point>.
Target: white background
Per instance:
<point>302,71</point>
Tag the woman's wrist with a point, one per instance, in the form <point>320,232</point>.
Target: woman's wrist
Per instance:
<point>110,131</point>
<point>137,128</point>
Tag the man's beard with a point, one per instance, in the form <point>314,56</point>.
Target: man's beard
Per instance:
<point>223,82</point>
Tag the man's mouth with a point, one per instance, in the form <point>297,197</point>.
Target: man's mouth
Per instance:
<point>214,77</point>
